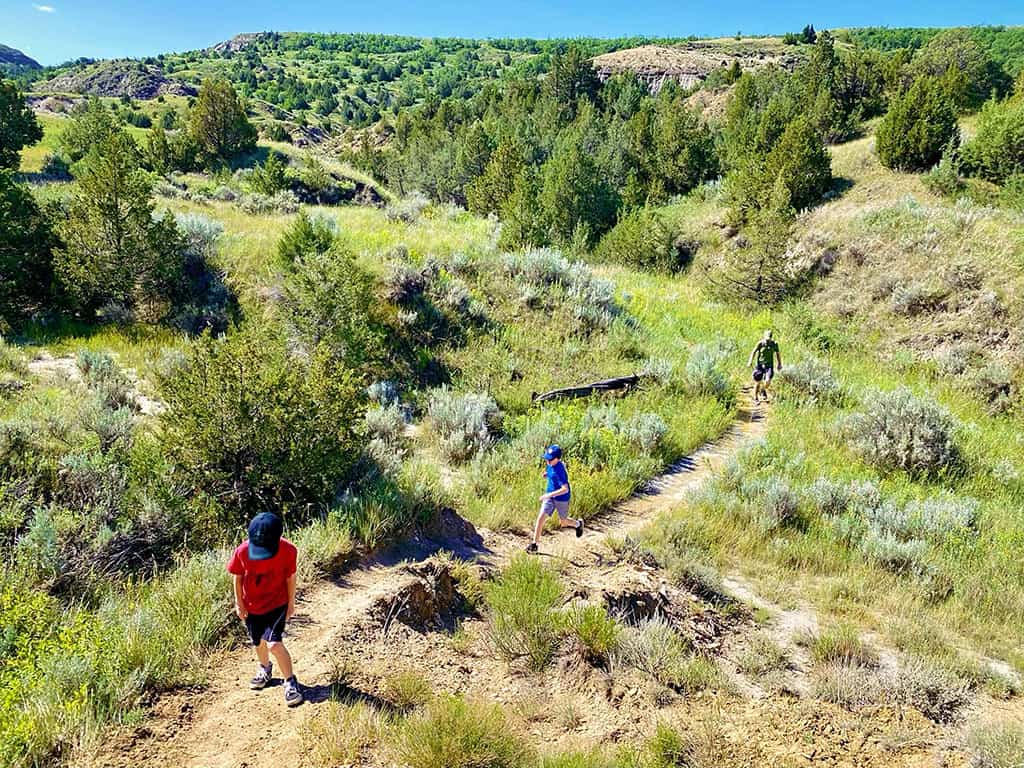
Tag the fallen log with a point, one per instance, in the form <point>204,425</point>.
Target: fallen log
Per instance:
<point>585,390</point>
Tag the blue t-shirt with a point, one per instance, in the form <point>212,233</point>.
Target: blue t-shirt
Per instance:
<point>557,477</point>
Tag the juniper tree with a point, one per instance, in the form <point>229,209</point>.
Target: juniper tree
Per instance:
<point>18,125</point>
<point>218,122</point>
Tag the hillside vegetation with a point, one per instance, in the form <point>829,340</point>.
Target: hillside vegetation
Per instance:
<point>201,322</point>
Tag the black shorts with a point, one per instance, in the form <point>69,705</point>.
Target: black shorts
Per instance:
<point>267,626</point>
<point>764,373</point>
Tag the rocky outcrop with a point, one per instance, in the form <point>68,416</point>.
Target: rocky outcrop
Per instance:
<point>13,60</point>
<point>688,64</point>
<point>117,78</point>
<point>238,42</point>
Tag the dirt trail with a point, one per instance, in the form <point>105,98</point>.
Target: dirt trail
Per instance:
<point>225,725</point>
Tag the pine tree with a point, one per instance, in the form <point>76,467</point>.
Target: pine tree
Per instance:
<point>489,192</point>
<point>18,125</point>
<point>521,223</point>
<point>158,151</point>
<point>762,271</point>
<point>26,259</point>
<point>917,127</point>
<point>218,122</point>
<point>90,126</point>
<point>113,249</point>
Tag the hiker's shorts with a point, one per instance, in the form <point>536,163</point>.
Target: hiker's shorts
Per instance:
<point>764,373</point>
<point>550,506</point>
<point>267,626</point>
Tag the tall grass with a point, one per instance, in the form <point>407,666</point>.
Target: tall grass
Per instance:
<point>523,619</point>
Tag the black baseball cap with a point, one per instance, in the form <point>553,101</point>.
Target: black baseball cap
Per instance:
<point>265,536</point>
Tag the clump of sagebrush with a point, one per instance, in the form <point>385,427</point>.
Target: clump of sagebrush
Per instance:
<point>811,380</point>
<point>705,372</point>
<point>408,209</point>
<point>935,690</point>
<point>467,424</point>
<point>280,203</point>
<point>643,431</point>
<point>102,375</point>
<point>997,744</point>
<point>202,300</point>
<point>591,299</point>
<point>523,617</point>
<point>450,732</point>
<point>898,431</point>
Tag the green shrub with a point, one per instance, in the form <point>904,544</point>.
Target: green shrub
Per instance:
<point>641,239</point>
<point>667,748</point>
<point>839,644</point>
<point>1012,193</point>
<point>919,125</point>
<point>996,152</point>
<point>254,428</point>
<point>342,733</point>
<point>406,689</point>
<point>523,620</point>
<point>897,430</point>
<point>305,236</point>
<point>451,732</point>
<point>594,631</point>
<point>656,648</point>
<point>762,656</point>
<point>944,179</point>
<point>704,374</point>
<point>270,178</point>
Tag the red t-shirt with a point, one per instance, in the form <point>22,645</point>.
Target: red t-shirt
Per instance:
<point>264,582</point>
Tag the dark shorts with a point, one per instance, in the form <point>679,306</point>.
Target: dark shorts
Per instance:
<point>764,373</point>
<point>266,626</point>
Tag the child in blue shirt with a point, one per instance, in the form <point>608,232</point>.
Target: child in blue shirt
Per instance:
<point>556,499</point>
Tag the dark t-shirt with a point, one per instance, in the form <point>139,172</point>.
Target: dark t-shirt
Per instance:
<point>264,582</point>
<point>557,477</point>
<point>765,353</point>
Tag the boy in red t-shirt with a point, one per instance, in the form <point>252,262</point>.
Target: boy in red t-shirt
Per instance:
<point>264,571</point>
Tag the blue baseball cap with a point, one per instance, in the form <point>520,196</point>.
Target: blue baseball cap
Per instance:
<point>264,536</point>
<point>553,452</point>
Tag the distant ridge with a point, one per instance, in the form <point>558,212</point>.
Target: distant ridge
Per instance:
<point>11,59</point>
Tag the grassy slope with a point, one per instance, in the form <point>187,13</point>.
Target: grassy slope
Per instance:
<point>906,235</point>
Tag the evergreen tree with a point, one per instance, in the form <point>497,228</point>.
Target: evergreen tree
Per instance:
<point>91,124</point>
<point>762,271</point>
<point>113,249</point>
<point>304,237</point>
<point>26,259</point>
<point>218,122</point>
<point>158,151</point>
<point>18,125</point>
<point>269,178</point>
<point>571,79</point>
<point>521,224</point>
<point>489,192</point>
<point>917,127</point>
<point>970,74</point>
<point>574,192</point>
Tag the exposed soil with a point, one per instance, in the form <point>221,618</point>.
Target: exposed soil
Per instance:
<point>401,611</point>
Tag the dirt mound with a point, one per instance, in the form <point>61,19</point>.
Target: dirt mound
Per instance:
<point>118,78</point>
<point>431,601</point>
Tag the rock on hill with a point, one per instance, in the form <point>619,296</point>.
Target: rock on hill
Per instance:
<point>11,59</point>
<point>116,78</point>
<point>238,42</point>
<point>689,64</point>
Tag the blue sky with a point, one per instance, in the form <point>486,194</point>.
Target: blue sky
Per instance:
<point>55,30</point>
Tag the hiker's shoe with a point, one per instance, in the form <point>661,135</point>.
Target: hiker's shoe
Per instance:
<point>292,694</point>
<point>262,677</point>
<point>579,528</point>
<point>531,547</point>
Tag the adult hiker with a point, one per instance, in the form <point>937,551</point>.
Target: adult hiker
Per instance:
<point>556,499</point>
<point>264,569</point>
<point>766,352</point>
